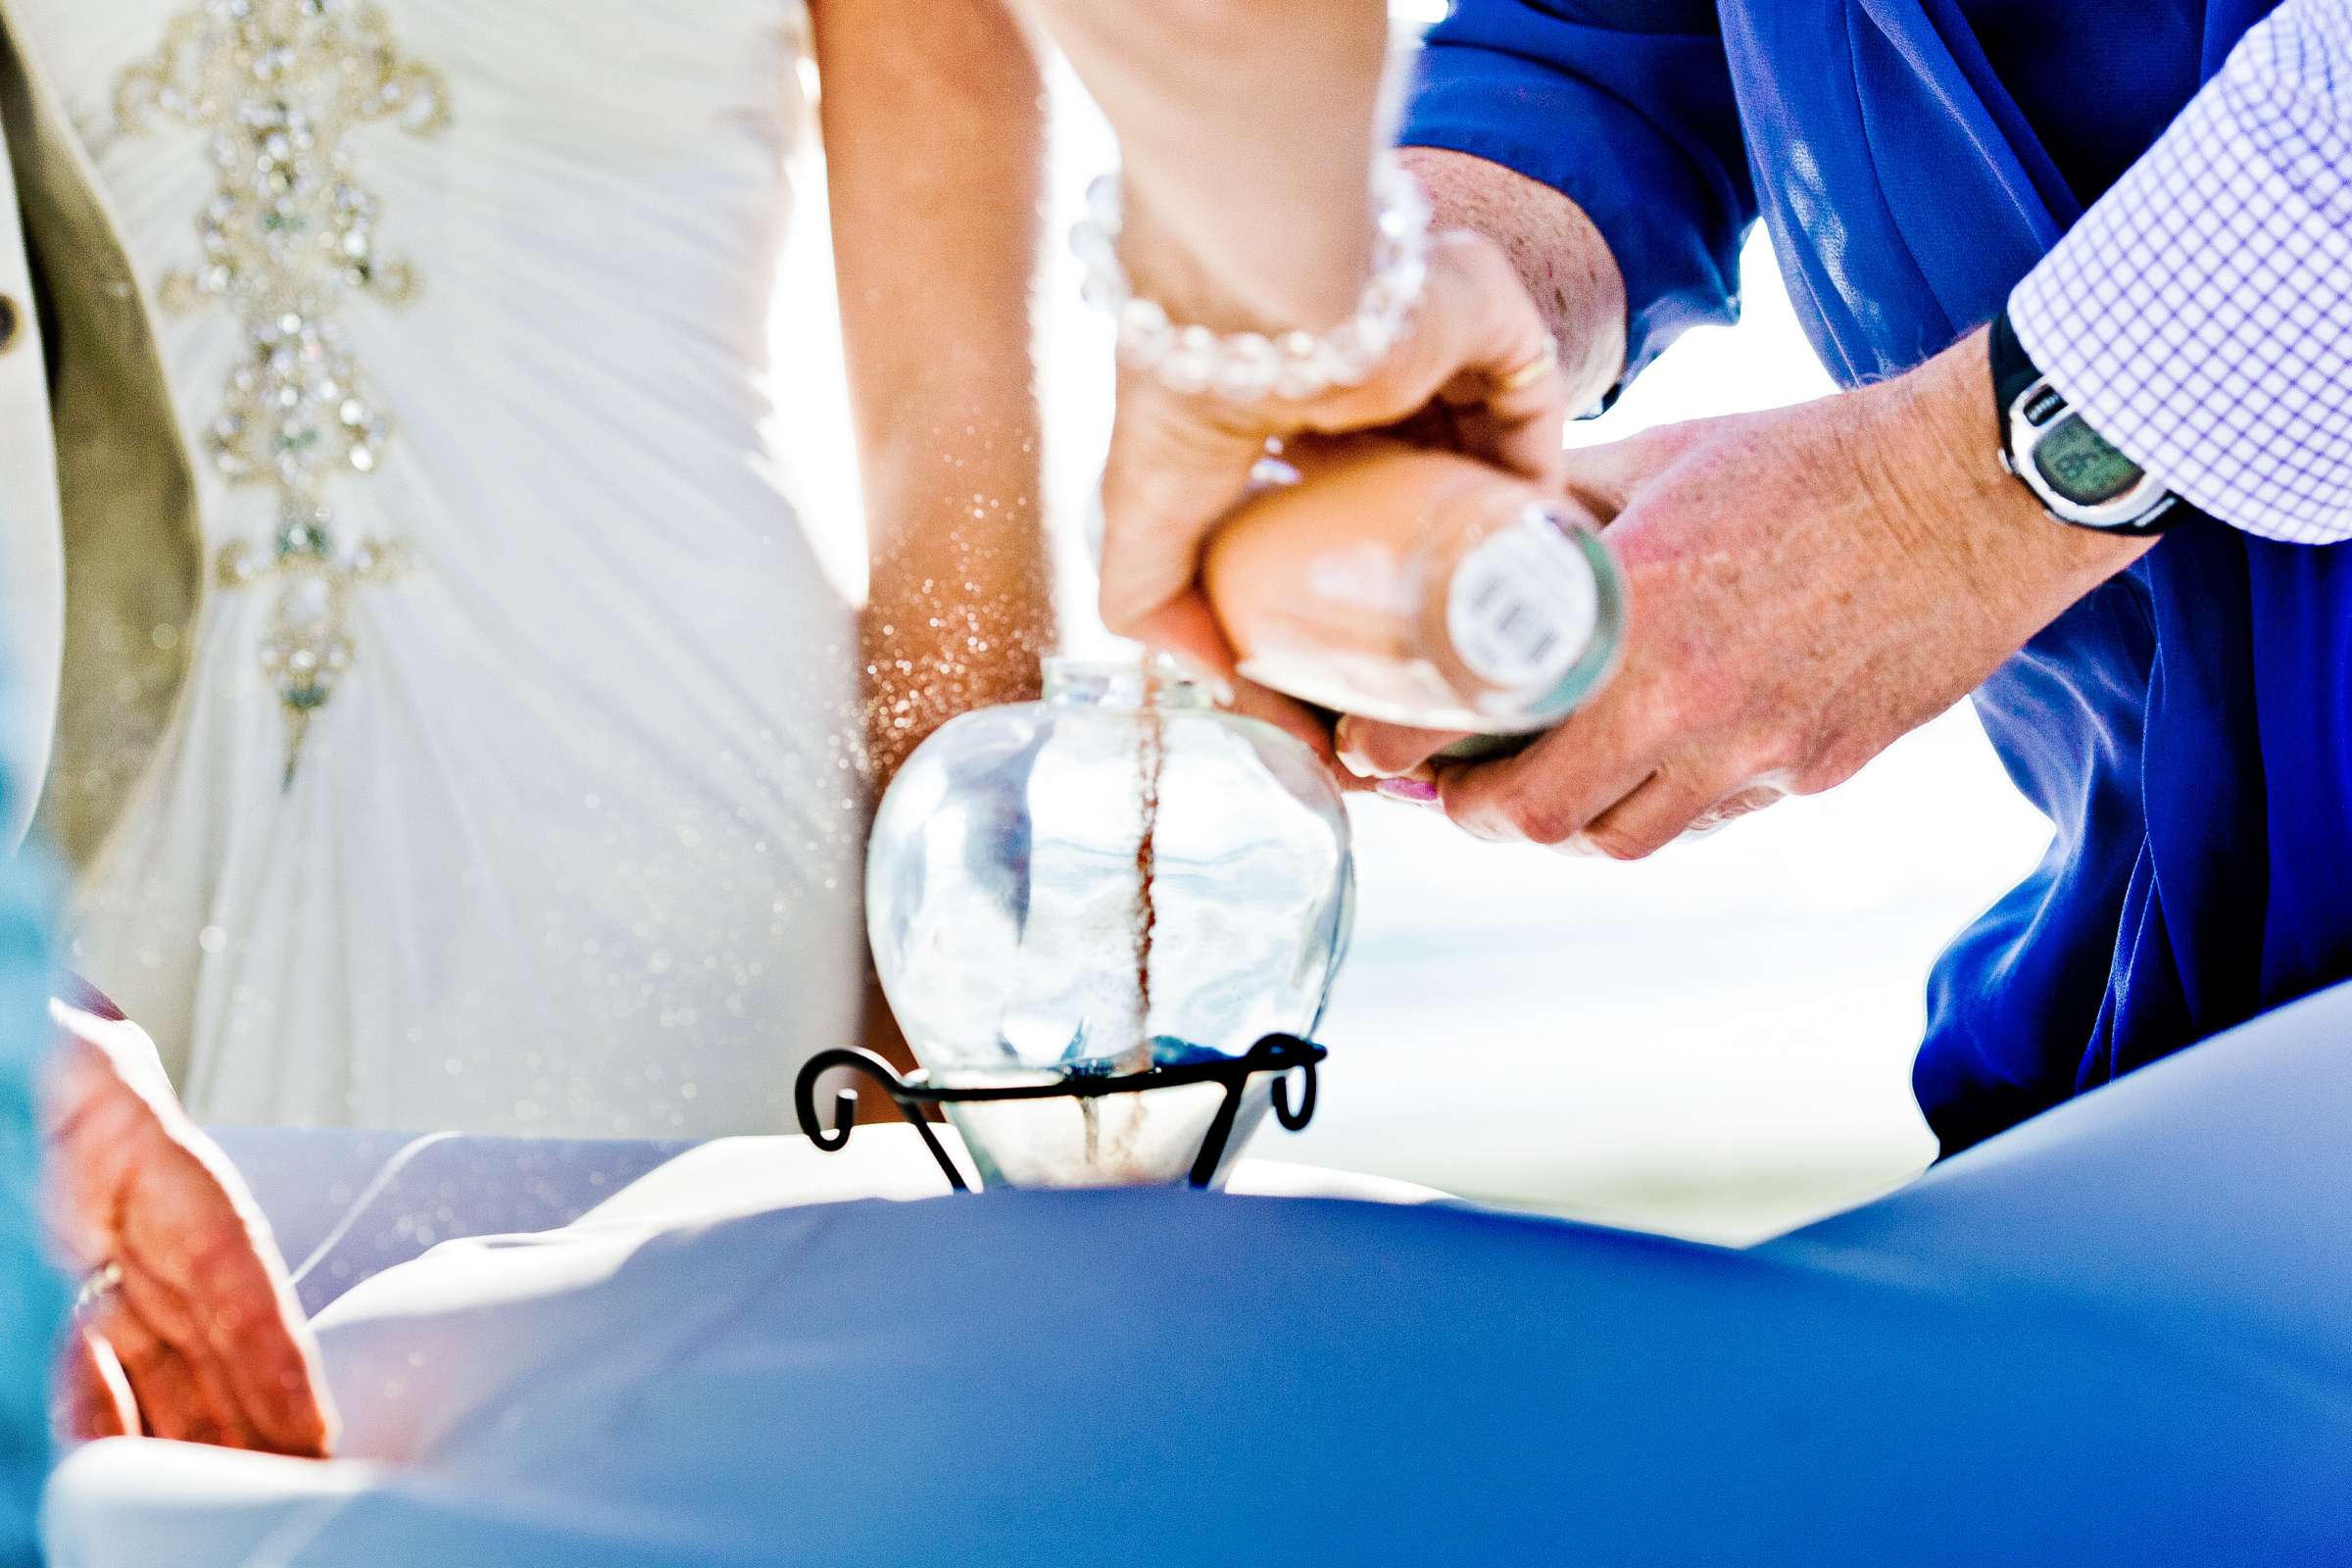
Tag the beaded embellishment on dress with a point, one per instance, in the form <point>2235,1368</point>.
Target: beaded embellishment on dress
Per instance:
<point>286,240</point>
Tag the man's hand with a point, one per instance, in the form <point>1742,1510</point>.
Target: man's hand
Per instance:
<point>1806,586</point>
<point>197,1336</point>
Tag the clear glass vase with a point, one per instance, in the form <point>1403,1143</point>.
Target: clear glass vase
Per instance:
<point>1116,876</point>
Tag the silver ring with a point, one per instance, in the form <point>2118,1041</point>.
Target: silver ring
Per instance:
<point>96,1285</point>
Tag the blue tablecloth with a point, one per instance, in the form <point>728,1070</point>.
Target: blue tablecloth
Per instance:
<point>345,1204</point>
<point>2116,1334</point>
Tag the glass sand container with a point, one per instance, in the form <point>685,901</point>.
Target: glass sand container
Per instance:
<point>1115,878</point>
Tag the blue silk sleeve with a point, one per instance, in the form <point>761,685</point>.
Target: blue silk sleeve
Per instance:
<point>1625,107</point>
<point>31,1298</point>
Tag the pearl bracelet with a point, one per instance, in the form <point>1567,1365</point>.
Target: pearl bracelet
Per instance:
<point>1250,367</point>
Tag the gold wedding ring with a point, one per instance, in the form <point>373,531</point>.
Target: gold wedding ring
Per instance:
<point>1530,372</point>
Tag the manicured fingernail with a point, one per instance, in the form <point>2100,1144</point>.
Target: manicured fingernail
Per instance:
<point>1091,525</point>
<point>1415,791</point>
<point>1343,745</point>
<point>1219,689</point>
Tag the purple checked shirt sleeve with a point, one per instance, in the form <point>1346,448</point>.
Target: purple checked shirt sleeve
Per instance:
<point>2200,315</point>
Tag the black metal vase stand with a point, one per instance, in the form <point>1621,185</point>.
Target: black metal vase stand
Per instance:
<point>913,1094</point>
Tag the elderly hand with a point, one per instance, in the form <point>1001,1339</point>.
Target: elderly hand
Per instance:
<point>198,1337</point>
<point>1806,585</point>
<point>1475,368</point>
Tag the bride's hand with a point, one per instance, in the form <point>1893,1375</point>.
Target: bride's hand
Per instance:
<point>193,1331</point>
<point>1476,371</point>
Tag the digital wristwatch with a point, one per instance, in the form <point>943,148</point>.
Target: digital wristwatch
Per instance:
<point>2077,475</point>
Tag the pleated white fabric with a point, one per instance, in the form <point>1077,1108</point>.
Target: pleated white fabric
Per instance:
<point>573,846</point>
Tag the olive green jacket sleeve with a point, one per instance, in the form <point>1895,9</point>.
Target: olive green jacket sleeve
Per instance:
<point>100,575</point>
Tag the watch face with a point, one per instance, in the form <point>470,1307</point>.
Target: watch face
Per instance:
<point>2080,466</point>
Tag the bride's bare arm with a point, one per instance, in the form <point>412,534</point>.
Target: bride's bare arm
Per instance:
<point>1245,135</point>
<point>934,144</point>
<point>1247,131</point>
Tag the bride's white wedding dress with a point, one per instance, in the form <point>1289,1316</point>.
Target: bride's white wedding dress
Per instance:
<point>514,786</point>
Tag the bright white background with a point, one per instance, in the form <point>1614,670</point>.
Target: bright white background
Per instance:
<point>1716,1041</point>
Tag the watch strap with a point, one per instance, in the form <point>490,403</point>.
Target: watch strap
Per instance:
<point>2013,370</point>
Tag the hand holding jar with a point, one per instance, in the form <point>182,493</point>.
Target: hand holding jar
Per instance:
<point>1474,356</point>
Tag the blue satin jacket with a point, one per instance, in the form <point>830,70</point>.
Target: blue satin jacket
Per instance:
<point>2185,727</point>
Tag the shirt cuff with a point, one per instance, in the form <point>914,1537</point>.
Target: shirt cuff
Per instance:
<point>2200,315</point>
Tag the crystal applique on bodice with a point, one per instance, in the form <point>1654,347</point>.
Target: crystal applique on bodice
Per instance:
<point>287,239</point>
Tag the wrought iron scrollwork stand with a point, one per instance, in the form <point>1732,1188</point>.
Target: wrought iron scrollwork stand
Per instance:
<point>1279,1055</point>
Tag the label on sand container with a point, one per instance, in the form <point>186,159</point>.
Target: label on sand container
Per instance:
<point>1522,605</point>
